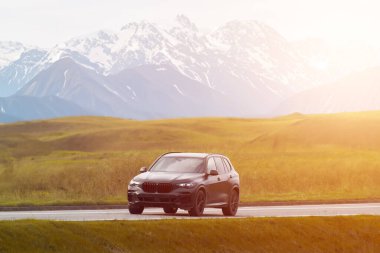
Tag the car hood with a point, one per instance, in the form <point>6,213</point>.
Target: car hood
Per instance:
<point>165,177</point>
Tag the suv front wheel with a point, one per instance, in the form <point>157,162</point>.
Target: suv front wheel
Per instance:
<point>199,204</point>
<point>135,209</point>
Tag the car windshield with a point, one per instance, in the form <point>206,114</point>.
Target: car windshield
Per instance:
<point>179,164</point>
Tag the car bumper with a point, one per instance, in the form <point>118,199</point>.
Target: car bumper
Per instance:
<point>182,199</point>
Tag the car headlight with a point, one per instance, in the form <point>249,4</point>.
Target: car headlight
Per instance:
<point>134,183</point>
<point>186,185</point>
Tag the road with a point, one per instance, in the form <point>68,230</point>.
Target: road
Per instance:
<point>157,213</point>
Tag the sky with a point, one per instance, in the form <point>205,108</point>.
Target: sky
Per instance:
<point>47,22</point>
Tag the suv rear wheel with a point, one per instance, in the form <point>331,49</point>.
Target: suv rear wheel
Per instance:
<point>199,204</point>
<point>170,210</point>
<point>135,209</point>
<point>233,204</point>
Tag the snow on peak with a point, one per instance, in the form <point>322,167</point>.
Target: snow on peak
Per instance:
<point>11,51</point>
<point>246,32</point>
<point>243,48</point>
<point>185,22</point>
<point>140,27</point>
<point>130,26</point>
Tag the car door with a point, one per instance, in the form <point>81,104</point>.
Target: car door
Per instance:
<point>223,179</point>
<point>212,183</point>
<point>233,176</point>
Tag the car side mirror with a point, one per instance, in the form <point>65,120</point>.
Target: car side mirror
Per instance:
<point>214,172</point>
<point>143,169</point>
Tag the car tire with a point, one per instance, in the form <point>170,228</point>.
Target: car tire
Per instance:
<point>233,204</point>
<point>170,210</point>
<point>135,209</point>
<point>199,204</point>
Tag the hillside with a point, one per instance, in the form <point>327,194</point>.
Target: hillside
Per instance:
<point>92,159</point>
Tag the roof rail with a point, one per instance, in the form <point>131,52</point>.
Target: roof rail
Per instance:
<point>170,153</point>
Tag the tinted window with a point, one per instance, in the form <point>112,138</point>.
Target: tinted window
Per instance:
<point>179,164</point>
<point>211,164</point>
<point>219,165</point>
<point>228,165</point>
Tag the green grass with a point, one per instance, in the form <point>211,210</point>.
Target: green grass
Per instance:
<point>92,159</point>
<point>307,234</point>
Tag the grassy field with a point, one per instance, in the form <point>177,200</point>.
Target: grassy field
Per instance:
<point>307,234</point>
<point>92,159</point>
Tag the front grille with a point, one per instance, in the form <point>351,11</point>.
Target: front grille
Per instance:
<point>164,188</point>
<point>157,187</point>
<point>149,187</point>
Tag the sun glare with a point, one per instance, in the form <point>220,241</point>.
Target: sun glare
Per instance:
<point>320,64</point>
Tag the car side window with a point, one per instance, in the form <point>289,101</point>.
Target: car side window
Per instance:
<point>227,164</point>
<point>219,165</point>
<point>211,164</point>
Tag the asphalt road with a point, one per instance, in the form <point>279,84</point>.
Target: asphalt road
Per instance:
<point>157,213</point>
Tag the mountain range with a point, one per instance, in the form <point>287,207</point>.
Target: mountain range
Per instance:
<point>148,71</point>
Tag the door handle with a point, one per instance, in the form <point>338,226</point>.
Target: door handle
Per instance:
<point>218,178</point>
<point>230,176</point>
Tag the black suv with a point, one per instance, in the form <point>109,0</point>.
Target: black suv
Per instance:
<point>190,181</point>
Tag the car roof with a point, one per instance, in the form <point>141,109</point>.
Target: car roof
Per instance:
<point>178,154</point>
<point>195,155</point>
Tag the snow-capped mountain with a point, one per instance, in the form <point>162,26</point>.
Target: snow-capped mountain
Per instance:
<point>247,46</point>
<point>17,73</point>
<point>264,67</point>
<point>145,70</point>
<point>356,92</point>
<point>97,47</point>
<point>144,43</point>
<point>10,51</point>
<point>72,82</point>
<point>251,46</point>
<point>144,92</point>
